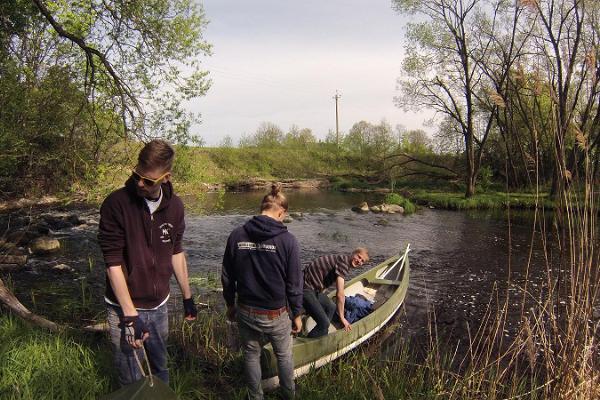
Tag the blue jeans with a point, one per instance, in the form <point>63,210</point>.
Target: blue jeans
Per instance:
<point>157,322</point>
<point>255,331</point>
<point>321,309</point>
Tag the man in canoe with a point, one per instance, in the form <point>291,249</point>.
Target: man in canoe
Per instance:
<point>261,265</point>
<point>140,234</point>
<point>318,276</point>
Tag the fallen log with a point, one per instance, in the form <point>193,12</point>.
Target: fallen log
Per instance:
<point>9,267</point>
<point>11,259</point>
<point>13,304</point>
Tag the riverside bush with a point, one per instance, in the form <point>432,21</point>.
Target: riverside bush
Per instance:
<point>395,198</point>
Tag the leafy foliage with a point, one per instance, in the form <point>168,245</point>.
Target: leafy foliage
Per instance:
<point>78,77</point>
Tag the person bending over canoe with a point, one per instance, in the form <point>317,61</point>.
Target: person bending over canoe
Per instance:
<point>318,276</point>
<point>261,265</point>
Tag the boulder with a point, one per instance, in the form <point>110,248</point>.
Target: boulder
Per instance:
<point>296,215</point>
<point>287,219</point>
<point>394,208</point>
<point>74,220</point>
<point>375,209</point>
<point>361,208</point>
<point>44,245</point>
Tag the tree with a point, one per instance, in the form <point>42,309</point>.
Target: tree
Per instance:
<point>268,135</point>
<point>227,142</point>
<point>143,55</point>
<point>440,72</point>
<point>415,141</point>
<point>567,47</point>
<point>77,77</point>
<point>297,137</point>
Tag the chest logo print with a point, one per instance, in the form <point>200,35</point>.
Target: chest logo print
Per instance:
<point>165,232</point>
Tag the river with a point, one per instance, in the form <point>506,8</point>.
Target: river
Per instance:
<point>457,258</point>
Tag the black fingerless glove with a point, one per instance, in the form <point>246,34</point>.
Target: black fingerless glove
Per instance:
<point>189,309</point>
<point>134,327</point>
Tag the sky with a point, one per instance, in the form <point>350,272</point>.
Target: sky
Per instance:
<point>283,61</point>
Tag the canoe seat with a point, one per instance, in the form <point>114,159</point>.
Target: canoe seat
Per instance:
<point>384,282</point>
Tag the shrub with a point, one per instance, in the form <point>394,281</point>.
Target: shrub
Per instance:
<point>395,198</point>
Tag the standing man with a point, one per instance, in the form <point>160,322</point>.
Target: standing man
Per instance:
<point>140,234</point>
<point>261,265</point>
<point>318,276</point>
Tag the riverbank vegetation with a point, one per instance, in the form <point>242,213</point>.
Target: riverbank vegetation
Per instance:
<point>40,365</point>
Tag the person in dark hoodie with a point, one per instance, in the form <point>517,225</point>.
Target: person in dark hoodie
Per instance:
<point>140,234</point>
<point>261,265</point>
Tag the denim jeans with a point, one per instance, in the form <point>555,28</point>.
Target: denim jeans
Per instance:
<point>321,309</point>
<point>157,322</point>
<point>255,331</point>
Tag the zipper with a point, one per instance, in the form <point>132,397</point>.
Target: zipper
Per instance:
<point>153,255</point>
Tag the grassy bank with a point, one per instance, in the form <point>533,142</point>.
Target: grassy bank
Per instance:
<point>488,200</point>
<point>35,364</point>
<point>200,169</point>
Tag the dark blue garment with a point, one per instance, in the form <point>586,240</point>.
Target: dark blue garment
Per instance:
<point>261,265</point>
<point>357,307</point>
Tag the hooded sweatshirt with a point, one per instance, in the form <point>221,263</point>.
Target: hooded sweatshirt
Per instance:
<point>141,243</point>
<point>262,265</point>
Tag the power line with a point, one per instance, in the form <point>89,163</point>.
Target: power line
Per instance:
<point>337,124</point>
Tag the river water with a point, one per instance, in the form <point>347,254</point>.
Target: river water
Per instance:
<point>457,258</point>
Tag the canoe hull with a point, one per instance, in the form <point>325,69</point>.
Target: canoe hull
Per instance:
<point>314,353</point>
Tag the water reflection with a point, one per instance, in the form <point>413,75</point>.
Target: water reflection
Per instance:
<point>246,203</point>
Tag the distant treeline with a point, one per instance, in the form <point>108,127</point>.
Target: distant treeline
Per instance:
<point>516,88</point>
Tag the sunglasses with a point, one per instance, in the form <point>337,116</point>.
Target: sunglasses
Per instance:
<point>147,181</point>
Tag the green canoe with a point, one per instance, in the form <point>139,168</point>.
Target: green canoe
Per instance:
<point>386,285</point>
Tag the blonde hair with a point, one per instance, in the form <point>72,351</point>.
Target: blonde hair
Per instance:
<point>274,199</point>
<point>362,250</point>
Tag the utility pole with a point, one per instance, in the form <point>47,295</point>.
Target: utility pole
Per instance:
<point>337,123</point>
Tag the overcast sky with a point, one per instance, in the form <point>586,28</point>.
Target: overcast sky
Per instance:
<point>282,62</point>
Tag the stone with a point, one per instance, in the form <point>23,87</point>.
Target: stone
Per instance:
<point>361,208</point>
<point>394,208</point>
<point>44,245</point>
<point>375,209</point>
<point>296,215</point>
<point>74,220</point>
<point>287,219</point>
<point>63,268</point>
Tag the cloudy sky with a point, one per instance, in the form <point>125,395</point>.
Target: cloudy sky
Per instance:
<point>282,62</point>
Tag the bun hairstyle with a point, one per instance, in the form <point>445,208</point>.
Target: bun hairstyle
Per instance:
<point>274,199</point>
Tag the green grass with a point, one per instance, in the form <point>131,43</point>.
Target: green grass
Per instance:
<point>35,364</point>
<point>491,200</point>
<point>395,198</point>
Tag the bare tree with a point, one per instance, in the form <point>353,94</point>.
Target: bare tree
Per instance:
<point>440,71</point>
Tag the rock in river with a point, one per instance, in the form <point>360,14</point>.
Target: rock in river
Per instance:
<point>361,208</point>
<point>44,245</point>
